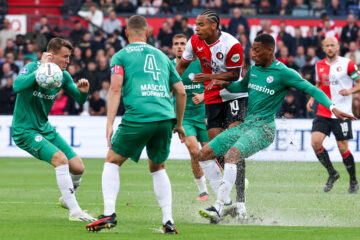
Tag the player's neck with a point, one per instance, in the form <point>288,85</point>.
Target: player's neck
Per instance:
<point>331,59</point>
<point>213,38</point>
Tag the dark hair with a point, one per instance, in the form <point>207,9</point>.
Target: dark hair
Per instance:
<point>212,16</point>
<point>265,39</point>
<point>56,44</point>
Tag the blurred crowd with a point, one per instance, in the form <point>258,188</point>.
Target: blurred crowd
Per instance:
<point>94,46</point>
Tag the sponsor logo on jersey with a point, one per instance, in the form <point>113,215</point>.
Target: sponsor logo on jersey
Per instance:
<point>192,86</point>
<point>235,58</point>
<point>263,89</point>
<point>219,55</point>
<point>23,71</point>
<point>44,96</point>
<point>269,79</point>
<point>38,138</point>
<point>339,69</point>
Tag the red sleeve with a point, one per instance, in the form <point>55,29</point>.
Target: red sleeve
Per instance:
<point>234,58</point>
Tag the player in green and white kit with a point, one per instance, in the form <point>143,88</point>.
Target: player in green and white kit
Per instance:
<point>143,75</point>
<point>33,133</point>
<point>194,116</point>
<point>267,83</point>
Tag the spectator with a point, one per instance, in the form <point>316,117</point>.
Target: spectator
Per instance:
<point>112,23</point>
<point>335,9</point>
<point>7,97</point>
<point>106,6</point>
<point>151,38</point>
<point>300,56</point>
<point>124,6</point>
<point>70,7</point>
<point>104,91</point>
<point>300,9</point>
<point>248,8</point>
<point>308,71</point>
<point>94,17</point>
<point>146,8</point>
<point>6,73</point>
<point>185,29</point>
<point>34,36</point>
<point>6,33</point>
<point>96,104</point>
<point>77,33</point>
<point>289,108</point>
<point>286,38</point>
<point>236,20</point>
<point>165,37</point>
<point>318,9</point>
<point>284,8</point>
<point>59,104</point>
<point>103,71</point>
<point>30,52</point>
<point>348,33</point>
<point>10,58</point>
<point>353,53</point>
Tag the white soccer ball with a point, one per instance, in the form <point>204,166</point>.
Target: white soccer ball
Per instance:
<point>49,76</point>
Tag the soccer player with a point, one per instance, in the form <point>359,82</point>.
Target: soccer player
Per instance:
<point>143,75</point>
<point>335,76</point>
<point>194,116</point>
<point>267,83</point>
<point>221,57</point>
<point>33,133</point>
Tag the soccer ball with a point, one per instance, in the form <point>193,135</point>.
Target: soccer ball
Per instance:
<point>49,76</point>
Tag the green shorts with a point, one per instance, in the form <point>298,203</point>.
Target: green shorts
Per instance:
<point>196,129</point>
<point>248,137</point>
<point>131,138</point>
<point>43,145</point>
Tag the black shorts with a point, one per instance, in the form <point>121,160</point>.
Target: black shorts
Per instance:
<point>221,115</point>
<point>341,129</point>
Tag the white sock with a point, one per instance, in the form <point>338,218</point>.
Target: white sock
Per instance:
<point>162,189</point>
<point>110,187</point>
<point>201,184</point>
<point>227,182</point>
<point>212,173</point>
<point>66,187</point>
<point>76,180</point>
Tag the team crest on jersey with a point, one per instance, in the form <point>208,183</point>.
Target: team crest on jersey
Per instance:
<point>269,79</point>
<point>24,71</point>
<point>38,138</point>
<point>219,55</point>
<point>235,58</point>
<point>339,69</point>
<point>191,76</point>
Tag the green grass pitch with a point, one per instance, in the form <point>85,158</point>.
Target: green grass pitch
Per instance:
<point>284,201</point>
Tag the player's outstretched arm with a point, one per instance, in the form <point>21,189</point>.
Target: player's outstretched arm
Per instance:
<point>181,66</point>
<point>180,104</point>
<point>230,76</point>
<point>113,104</point>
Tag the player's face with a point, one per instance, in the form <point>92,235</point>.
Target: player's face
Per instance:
<point>178,46</point>
<point>330,47</point>
<point>204,28</point>
<point>261,53</point>
<point>62,57</point>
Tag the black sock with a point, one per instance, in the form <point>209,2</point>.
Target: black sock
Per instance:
<point>324,158</point>
<point>240,181</point>
<point>350,166</point>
